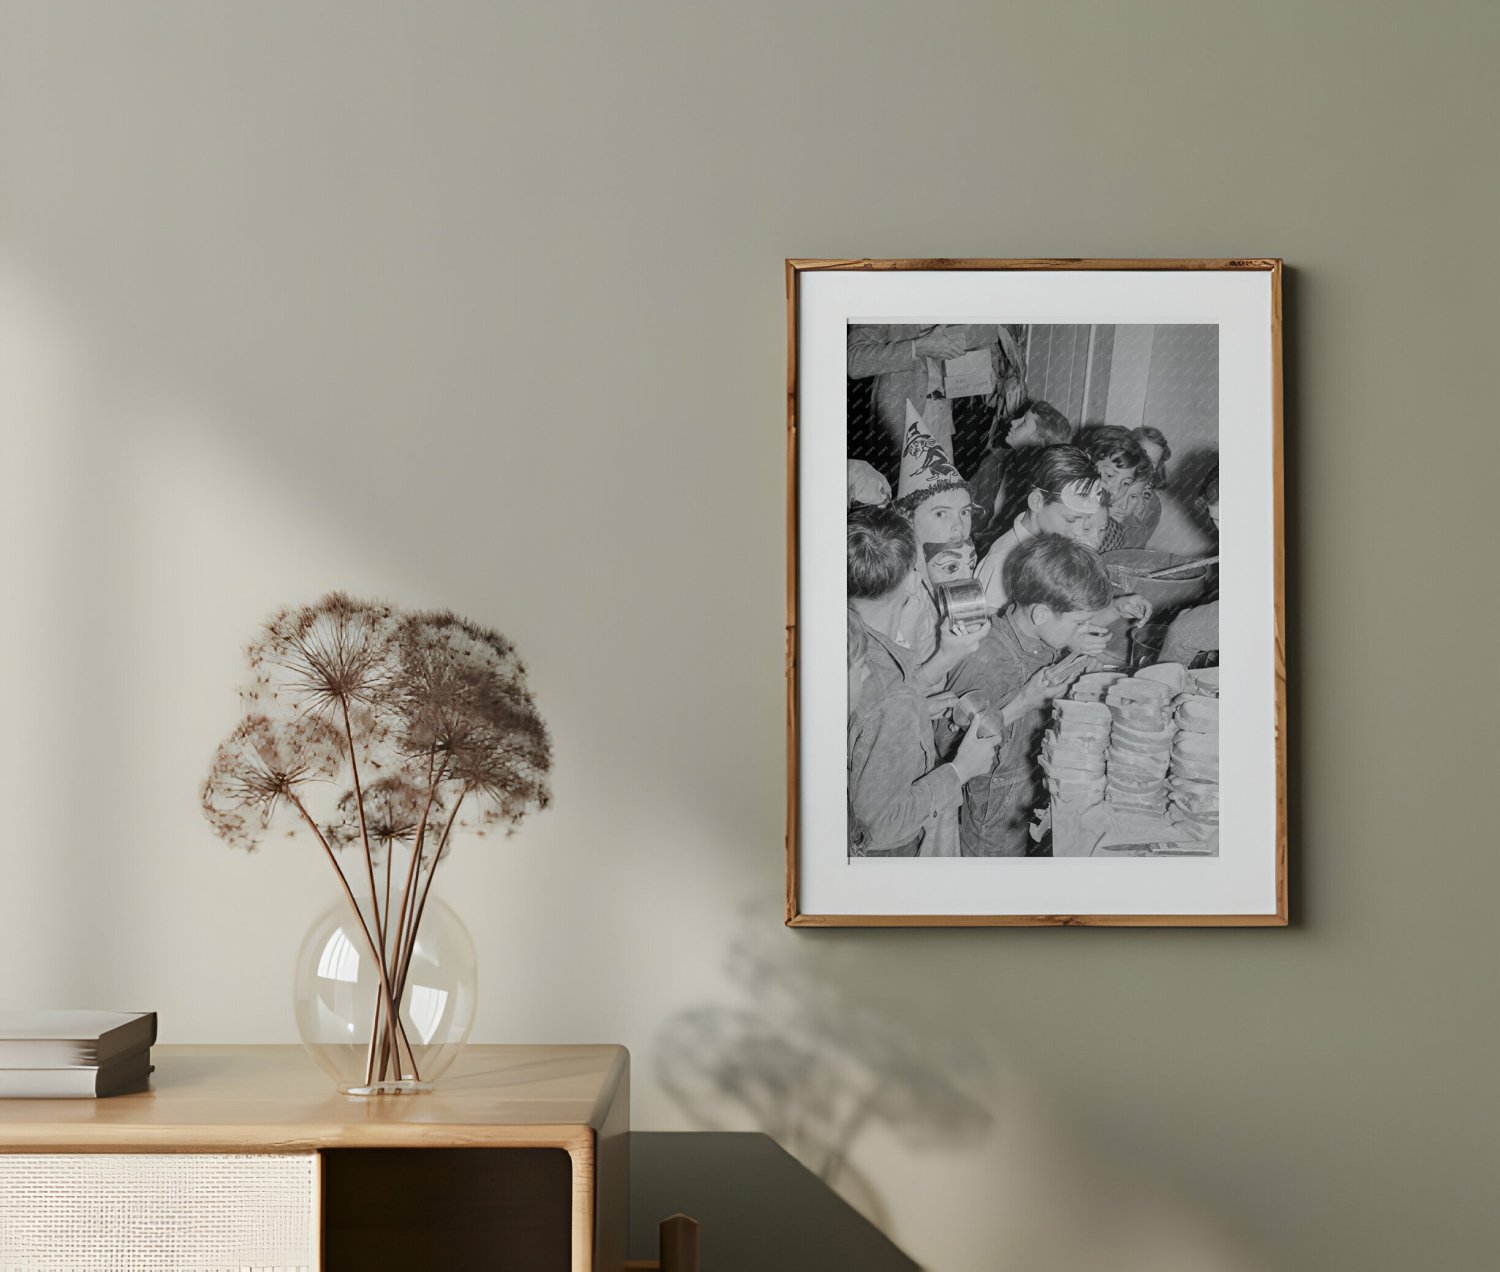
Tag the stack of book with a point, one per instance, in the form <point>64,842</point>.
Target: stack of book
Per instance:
<point>51,1055</point>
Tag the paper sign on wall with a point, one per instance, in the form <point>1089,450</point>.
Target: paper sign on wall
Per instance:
<point>969,375</point>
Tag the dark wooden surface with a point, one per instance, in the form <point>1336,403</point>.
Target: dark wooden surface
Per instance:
<point>482,1210</point>
<point>757,1207</point>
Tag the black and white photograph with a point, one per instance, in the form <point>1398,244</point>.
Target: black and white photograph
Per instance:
<point>1032,586</point>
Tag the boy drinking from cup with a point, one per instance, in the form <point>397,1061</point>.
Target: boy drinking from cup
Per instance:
<point>899,792</point>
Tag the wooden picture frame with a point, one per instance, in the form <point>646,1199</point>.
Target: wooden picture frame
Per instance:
<point>1165,307</point>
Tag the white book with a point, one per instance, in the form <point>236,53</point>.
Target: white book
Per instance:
<point>72,1039</point>
<point>120,1076</point>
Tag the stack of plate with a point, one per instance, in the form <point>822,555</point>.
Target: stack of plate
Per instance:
<point>1194,779</point>
<point>1140,744</point>
<point>1073,751</point>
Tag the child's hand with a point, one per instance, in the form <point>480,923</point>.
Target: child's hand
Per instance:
<point>865,485</point>
<point>1090,638</point>
<point>975,754</point>
<point>1136,608</point>
<point>957,642</point>
<point>1064,673</point>
<point>954,645</point>
<point>939,704</point>
<point>1053,680</point>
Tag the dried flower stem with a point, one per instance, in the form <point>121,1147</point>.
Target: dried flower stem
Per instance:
<point>385,984</point>
<point>385,954</point>
<point>364,832</point>
<point>434,777</point>
<point>380,917</point>
<point>414,866</point>
<point>364,838</point>
<point>403,964</point>
<point>387,890</point>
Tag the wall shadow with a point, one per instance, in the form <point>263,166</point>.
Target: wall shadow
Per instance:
<point>794,1054</point>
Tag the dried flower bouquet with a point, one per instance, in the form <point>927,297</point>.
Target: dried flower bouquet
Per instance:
<point>381,734</point>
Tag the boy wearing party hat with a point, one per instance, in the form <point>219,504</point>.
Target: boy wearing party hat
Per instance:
<point>936,500</point>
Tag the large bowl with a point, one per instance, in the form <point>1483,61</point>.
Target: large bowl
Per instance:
<point>1128,566</point>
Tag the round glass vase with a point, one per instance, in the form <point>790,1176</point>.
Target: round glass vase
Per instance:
<point>341,1000</point>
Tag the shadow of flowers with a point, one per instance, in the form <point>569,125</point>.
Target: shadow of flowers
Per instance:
<point>800,1057</point>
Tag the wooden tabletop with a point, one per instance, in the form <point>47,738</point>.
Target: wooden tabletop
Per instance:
<point>275,1099</point>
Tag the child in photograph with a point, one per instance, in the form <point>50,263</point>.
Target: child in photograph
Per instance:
<point>946,563</point>
<point>1014,444</point>
<point>1125,472</point>
<point>898,790</point>
<point>1056,586</point>
<point>1158,450</point>
<point>1193,637</point>
<point>1136,528</point>
<point>937,502</point>
<point>1066,498</point>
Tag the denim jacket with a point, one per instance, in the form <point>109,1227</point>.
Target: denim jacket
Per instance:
<point>995,820</point>
<point>897,789</point>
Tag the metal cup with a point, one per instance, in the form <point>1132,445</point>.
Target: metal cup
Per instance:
<point>962,604</point>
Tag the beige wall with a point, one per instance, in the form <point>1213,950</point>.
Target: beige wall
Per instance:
<point>481,305</point>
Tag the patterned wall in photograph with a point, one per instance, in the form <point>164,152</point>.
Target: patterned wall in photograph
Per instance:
<point>1058,361</point>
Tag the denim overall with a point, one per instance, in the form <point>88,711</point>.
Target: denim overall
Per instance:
<point>997,811</point>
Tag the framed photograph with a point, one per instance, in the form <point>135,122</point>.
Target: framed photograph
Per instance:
<point>1038,506</point>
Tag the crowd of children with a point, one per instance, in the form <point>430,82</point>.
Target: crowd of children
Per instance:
<point>945,719</point>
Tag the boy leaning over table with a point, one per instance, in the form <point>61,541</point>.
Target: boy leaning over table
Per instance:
<point>1066,498</point>
<point>1055,586</point>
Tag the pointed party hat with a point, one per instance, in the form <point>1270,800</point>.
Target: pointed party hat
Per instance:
<point>926,468</point>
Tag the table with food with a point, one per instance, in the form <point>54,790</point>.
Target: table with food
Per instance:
<point>1131,754</point>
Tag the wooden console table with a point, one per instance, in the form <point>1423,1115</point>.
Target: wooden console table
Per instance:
<point>520,1158</point>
